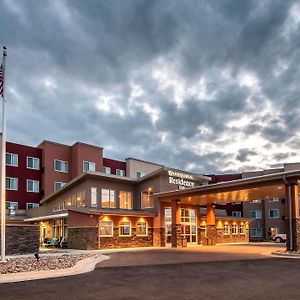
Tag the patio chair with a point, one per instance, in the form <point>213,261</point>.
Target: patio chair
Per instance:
<point>53,243</point>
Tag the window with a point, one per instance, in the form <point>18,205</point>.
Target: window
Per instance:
<point>80,199</point>
<point>226,229</point>
<point>31,205</point>
<point>12,159</point>
<point>256,232</point>
<point>255,201</point>
<point>242,229</point>
<point>106,170</point>
<point>33,186</point>
<point>58,185</point>
<point>106,228</point>
<point>124,228</point>
<point>255,214</point>
<point>108,198</point>
<point>274,199</point>
<point>61,166</point>
<point>147,198</point>
<point>94,197</point>
<point>234,229</point>
<point>274,213</point>
<point>33,163</point>
<point>125,200</point>
<point>141,228</point>
<point>11,205</point>
<point>89,166</point>
<point>120,172</point>
<point>235,203</point>
<point>237,214</point>
<point>11,183</point>
<point>139,174</point>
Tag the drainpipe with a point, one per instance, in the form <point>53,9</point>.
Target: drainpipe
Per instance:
<point>290,211</point>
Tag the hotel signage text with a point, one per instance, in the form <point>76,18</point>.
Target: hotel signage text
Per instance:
<point>181,179</point>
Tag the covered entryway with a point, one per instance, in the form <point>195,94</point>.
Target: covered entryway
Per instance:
<point>282,185</point>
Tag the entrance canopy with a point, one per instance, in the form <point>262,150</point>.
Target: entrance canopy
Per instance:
<point>247,189</point>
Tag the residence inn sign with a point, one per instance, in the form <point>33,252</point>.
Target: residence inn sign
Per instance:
<point>181,179</point>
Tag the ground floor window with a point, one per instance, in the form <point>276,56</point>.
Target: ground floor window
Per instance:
<point>226,229</point>
<point>242,229</point>
<point>256,232</point>
<point>234,229</point>
<point>141,228</point>
<point>124,228</point>
<point>106,228</point>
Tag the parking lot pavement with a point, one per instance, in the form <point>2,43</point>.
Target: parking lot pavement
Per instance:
<point>192,254</point>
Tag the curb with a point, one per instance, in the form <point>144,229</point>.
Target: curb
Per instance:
<point>83,266</point>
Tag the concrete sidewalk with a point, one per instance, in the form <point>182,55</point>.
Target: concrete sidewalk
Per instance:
<point>83,266</point>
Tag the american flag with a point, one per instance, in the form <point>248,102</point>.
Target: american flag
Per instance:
<point>1,81</point>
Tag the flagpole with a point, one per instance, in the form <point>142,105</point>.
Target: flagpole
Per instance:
<point>3,162</point>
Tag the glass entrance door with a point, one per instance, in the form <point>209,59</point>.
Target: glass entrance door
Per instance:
<point>189,225</point>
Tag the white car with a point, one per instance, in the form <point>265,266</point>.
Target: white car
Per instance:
<point>279,238</point>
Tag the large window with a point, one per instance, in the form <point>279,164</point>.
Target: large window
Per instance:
<point>108,198</point>
<point>33,186</point>
<point>256,232</point>
<point>106,228</point>
<point>33,163</point>
<point>124,228</point>
<point>61,166</point>
<point>242,229</point>
<point>275,199</point>
<point>234,229</point>
<point>141,228</point>
<point>147,198</point>
<point>89,166</point>
<point>125,200</point>
<point>140,174</point>
<point>226,229</point>
<point>120,172</point>
<point>106,170</point>
<point>94,197</point>
<point>255,214</point>
<point>58,185</point>
<point>11,183</point>
<point>274,213</point>
<point>12,159</point>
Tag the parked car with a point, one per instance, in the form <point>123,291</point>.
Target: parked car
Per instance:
<point>279,238</point>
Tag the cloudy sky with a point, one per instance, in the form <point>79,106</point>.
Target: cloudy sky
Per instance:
<point>206,86</point>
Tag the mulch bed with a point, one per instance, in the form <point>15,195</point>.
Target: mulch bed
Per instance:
<point>28,264</point>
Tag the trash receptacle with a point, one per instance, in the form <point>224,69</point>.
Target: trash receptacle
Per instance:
<point>184,242</point>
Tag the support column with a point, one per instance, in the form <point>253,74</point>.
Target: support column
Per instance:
<point>211,224</point>
<point>292,213</point>
<point>159,231</point>
<point>176,224</point>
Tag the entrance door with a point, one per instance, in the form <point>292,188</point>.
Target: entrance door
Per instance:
<point>189,225</point>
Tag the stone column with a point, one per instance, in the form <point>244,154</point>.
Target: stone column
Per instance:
<point>159,231</point>
<point>176,224</point>
<point>211,224</point>
<point>292,213</point>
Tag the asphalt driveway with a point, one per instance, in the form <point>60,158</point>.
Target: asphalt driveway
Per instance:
<point>240,278</point>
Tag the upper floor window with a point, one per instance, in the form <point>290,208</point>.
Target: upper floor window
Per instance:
<point>139,174</point>
<point>33,186</point>
<point>237,214</point>
<point>274,213</point>
<point>94,197</point>
<point>120,172</point>
<point>33,163</point>
<point>11,183</point>
<point>275,199</point>
<point>31,205</point>
<point>255,214</point>
<point>58,185</point>
<point>106,170</point>
<point>12,159</point>
<point>108,198</point>
<point>61,166</point>
<point>126,200</point>
<point>89,166</point>
<point>147,198</point>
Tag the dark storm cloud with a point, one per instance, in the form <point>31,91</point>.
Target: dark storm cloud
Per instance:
<point>75,69</point>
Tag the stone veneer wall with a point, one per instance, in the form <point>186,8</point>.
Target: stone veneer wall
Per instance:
<point>231,238</point>
<point>87,238</point>
<point>159,237</point>
<point>22,239</point>
<point>296,235</point>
